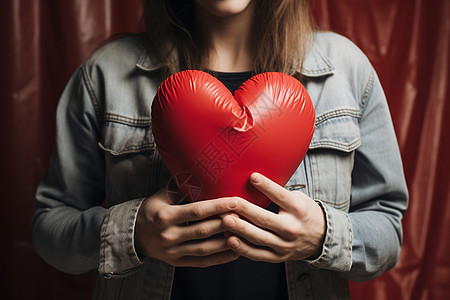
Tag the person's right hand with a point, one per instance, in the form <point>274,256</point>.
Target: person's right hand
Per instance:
<point>161,231</point>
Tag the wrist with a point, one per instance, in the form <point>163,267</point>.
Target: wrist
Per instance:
<point>321,233</point>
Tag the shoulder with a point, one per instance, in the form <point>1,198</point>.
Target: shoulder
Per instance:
<point>120,55</point>
<point>340,73</point>
<point>342,53</point>
<point>338,47</point>
<point>115,80</point>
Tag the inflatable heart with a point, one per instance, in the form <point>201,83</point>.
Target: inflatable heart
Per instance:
<point>211,141</point>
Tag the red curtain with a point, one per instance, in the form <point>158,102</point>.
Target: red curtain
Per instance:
<point>406,40</point>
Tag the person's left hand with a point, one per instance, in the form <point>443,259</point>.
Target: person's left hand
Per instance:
<point>295,233</point>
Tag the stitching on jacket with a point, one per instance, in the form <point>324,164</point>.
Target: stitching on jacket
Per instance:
<point>321,72</point>
<point>336,146</point>
<point>332,144</point>
<point>102,262</point>
<point>338,113</point>
<point>92,96</point>
<point>139,122</point>
<point>368,89</point>
<point>129,149</point>
<point>339,205</point>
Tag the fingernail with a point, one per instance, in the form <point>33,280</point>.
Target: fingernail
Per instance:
<point>229,222</point>
<point>256,178</point>
<point>232,204</point>
<point>234,243</point>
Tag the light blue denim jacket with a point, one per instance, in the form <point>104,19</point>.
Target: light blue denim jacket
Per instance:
<point>105,152</point>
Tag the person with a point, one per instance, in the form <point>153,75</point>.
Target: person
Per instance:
<point>104,203</point>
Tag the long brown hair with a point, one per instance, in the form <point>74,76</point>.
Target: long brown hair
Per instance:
<point>282,32</point>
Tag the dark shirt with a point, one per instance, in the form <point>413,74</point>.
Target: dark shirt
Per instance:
<point>239,279</point>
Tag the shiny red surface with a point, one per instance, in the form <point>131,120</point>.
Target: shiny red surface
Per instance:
<point>212,141</point>
<point>42,42</point>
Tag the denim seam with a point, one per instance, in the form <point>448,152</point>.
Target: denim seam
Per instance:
<point>129,252</point>
<point>103,235</point>
<point>129,149</point>
<point>315,176</point>
<point>92,96</point>
<point>325,258</point>
<point>346,147</point>
<point>321,72</point>
<point>336,205</point>
<point>368,89</point>
<point>344,112</point>
<point>350,240</point>
<point>138,122</point>
<point>324,71</point>
<point>329,239</point>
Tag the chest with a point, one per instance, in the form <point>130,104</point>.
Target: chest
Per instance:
<point>134,168</point>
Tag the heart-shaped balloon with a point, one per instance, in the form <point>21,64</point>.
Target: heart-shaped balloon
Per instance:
<point>211,141</point>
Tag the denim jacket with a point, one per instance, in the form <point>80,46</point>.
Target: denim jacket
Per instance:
<point>105,163</point>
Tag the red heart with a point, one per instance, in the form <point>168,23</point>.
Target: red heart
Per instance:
<point>211,141</point>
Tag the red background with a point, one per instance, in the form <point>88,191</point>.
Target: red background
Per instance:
<point>42,42</point>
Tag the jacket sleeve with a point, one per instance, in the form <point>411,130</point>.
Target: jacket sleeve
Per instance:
<point>69,222</point>
<point>379,195</point>
<point>366,241</point>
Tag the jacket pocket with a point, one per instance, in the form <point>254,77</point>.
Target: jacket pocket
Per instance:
<point>130,158</point>
<point>123,135</point>
<point>331,156</point>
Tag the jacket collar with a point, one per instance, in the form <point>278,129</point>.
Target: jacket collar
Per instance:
<point>147,63</point>
<point>315,65</point>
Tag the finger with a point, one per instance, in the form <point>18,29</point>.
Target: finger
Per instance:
<point>252,233</point>
<point>200,248</point>
<point>177,214</point>
<point>229,214</point>
<point>207,261</point>
<point>251,252</point>
<point>259,216</point>
<point>272,190</point>
<point>200,230</point>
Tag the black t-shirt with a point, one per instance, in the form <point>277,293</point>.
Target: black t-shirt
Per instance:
<point>239,279</point>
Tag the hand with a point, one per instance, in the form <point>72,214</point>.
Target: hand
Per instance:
<point>161,232</point>
<point>295,233</point>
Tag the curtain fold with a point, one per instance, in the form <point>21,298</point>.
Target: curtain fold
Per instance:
<point>408,42</point>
